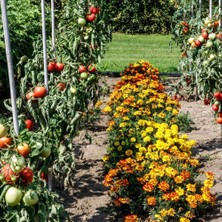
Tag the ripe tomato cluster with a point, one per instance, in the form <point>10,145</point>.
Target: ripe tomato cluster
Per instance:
<point>55,67</point>
<point>217,106</point>
<point>85,71</point>
<point>5,140</point>
<point>90,17</point>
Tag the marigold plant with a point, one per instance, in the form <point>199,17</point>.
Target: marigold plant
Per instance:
<point>149,168</point>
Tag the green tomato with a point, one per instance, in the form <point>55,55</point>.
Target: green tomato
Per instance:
<point>30,197</point>
<point>17,163</point>
<point>84,75</point>
<point>73,90</point>
<point>81,21</point>
<point>13,196</point>
<point>3,131</point>
<point>46,151</point>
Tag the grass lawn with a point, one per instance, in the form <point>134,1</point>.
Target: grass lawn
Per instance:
<point>156,49</point>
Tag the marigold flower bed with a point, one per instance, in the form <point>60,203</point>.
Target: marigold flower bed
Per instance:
<point>149,168</point>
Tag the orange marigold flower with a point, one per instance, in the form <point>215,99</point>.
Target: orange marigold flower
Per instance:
<point>148,187</point>
<point>185,174</point>
<point>184,219</point>
<point>192,201</point>
<point>164,186</point>
<point>131,218</point>
<point>122,182</point>
<point>151,201</point>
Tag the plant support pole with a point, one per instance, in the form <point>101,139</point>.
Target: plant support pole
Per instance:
<point>53,28</point>
<point>44,44</point>
<point>220,13</point>
<point>10,66</point>
<point>210,9</point>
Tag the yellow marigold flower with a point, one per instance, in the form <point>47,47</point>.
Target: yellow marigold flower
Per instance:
<point>192,201</point>
<point>138,145</point>
<point>171,172</point>
<point>209,175</point>
<point>151,201</point>
<point>132,139</point>
<point>122,125</point>
<point>153,181</point>
<point>184,219</point>
<point>107,109</point>
<point>179,191</point>
<point>194,162</point>
<point>142,150</point>
<point>105,158</point>
<point>129,152</point>
<point>178,179</point>
<point>149,129</point>
<point>158,217</point>
<point>171,212</point>
<point>169,108</point>
<point>98,103</point>
<point>146,139</point>
<point>174,127</point>
<point>126,118</point>
<point>162,115</point>
<point>163,212</point>
<point>139,156</point>
<point>137,113</point>
<point>191,187</point>
<point>139,102</point>
<point>166,157</point>
<point>143,133</point>
<point>175,112</point>
<point>208,183</point>
<point>141,122</point>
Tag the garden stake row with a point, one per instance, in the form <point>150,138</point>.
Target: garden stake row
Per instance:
<point>10,66</point>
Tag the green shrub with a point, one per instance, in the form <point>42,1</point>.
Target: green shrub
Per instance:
<point>141,16</point>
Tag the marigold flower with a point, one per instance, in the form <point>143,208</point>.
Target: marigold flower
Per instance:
<point>129,152</point>
<point>133,139</point>
<point>164,186</point>
<point>151,201</point>
<point>179,191</point>
<point>131,218</point>
<point>184,219</point>
<point>148,187</point>
<point>179,179</point>
<point>191,187</point>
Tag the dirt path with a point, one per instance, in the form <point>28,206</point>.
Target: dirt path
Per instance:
<point>86,200</point>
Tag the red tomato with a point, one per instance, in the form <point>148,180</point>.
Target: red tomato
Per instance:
<point>5,142</point>
<point>91,68</point>
<point>8,174</point>
<point>219,36</point>
<point>51,66</point>
<point>205,34</point>
<point>28,124</point>
<point>61,86</point>
<point>44,176</point>
<point>82,68</point>
<point>27,175</point>
<point>215,107</point>
<point>94,10</point>
<point>59,67</point>
<point>218,96</point>
<point>219,120</point>
<point>39,92</point>
<point>198,43</point>
<point>206,101</point>
<point>91,17</point>
<point>23,149</point>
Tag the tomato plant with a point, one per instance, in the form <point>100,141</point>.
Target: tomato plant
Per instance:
<point>30,197</point>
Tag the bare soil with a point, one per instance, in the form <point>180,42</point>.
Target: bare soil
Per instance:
<point>87,199</point>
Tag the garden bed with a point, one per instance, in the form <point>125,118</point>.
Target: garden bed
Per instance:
<point>86,201</point>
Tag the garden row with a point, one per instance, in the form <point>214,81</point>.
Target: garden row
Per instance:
<point>51,115</point>
<point>149,168</point>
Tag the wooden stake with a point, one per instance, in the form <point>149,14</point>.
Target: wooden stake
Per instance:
<point>10,66</point>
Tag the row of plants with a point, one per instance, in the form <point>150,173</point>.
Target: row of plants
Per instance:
<point>149,169</point>
<point>51,115</point>
<point>200,40</point>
